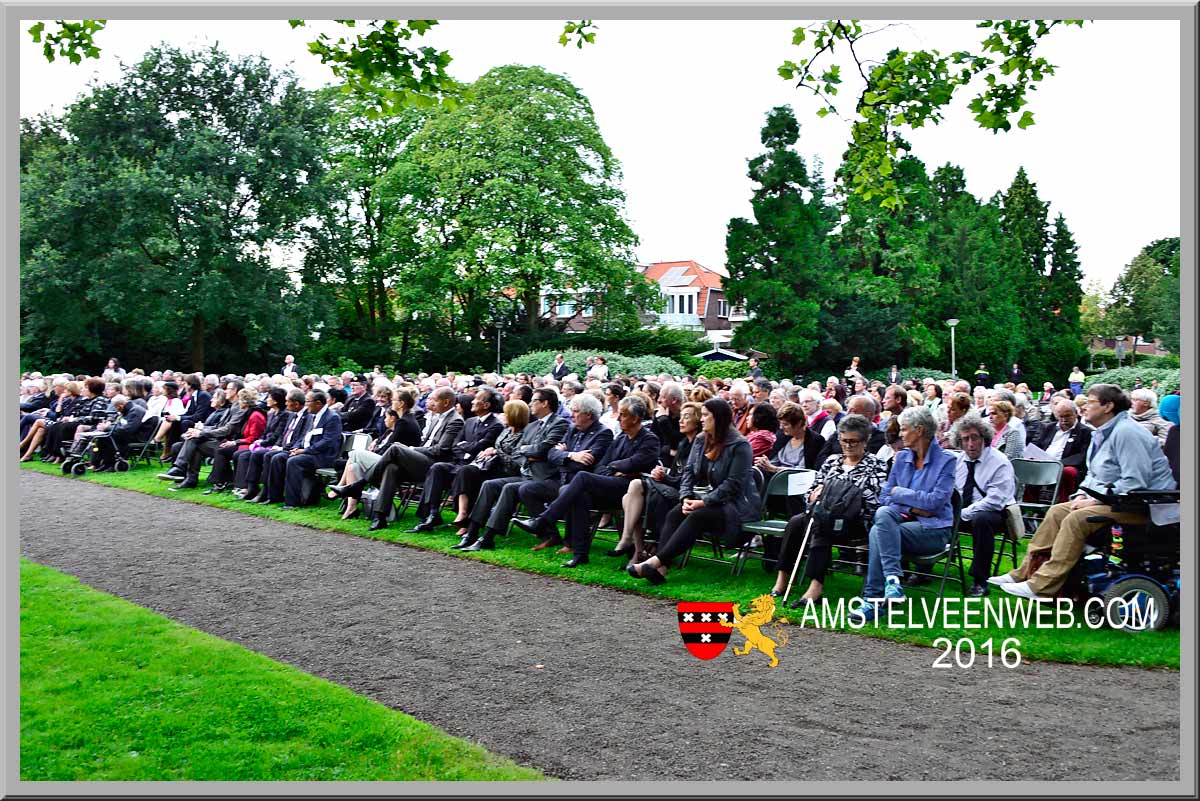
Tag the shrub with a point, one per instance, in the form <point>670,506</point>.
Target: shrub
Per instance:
<point>723,369</point>
<point>541,362</point>
<point>1168,379</point>
<point>1109,358</point>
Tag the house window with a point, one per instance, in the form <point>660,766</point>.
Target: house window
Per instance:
<point>722,308</point>
<point>691,304</point>
<point>565,308</point>
<point>589,310</point>
<point>545,304</point>
<point>670,304</point>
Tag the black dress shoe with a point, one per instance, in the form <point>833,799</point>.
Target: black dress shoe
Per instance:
<point>626,551</point>
<point>184,485</point>
<point>354,490</point>
<point>530,524</point>
<point>860,569</point>
<point>171,475</point>
<point>428,524</point>
<point>484,543</point>
<point>377,523</point>
<point>466,540</point>
<point>803,603</point>
<point>977,591</point>
<point>575,561</point>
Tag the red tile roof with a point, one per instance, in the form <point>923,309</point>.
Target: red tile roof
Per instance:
<point>702,278</point>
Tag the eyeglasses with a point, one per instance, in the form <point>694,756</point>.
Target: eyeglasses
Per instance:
<point>850,442</point>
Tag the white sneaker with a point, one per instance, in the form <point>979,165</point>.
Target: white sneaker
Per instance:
<point>1021,590</point>
<point>1000,581</point>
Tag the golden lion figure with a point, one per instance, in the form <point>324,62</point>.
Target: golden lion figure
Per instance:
<point>750,627</point>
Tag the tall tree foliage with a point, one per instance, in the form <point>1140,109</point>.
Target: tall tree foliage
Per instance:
<point>516,193</point>
<point>1145,298</point>
<point>155,221</point>
<point>779,264</point>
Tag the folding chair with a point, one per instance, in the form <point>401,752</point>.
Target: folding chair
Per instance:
<point>350,442</point>
<point>951,554</point>
<point>140,450</point>
<point>1036,473</point>
<point>787,483</point>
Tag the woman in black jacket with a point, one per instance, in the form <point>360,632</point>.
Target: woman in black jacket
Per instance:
<point>717,493</point>
<point>651,497</point>
<point>277,419</point>
<point>494,462</point>
<point>90,409</point>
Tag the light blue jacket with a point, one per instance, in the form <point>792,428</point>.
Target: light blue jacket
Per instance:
<point>929,488</point>
<point>1127,456</point>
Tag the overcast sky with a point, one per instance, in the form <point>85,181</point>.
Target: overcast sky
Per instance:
<point>681,104</point>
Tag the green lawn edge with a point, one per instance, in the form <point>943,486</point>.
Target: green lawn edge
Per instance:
<point>699,581</point>
<point>112,691</point>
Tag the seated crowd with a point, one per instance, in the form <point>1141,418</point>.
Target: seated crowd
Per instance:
<point>677,459</point>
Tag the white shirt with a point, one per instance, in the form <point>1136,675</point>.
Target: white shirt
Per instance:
<point>315,428</point>
<point>1059,443</point>
<point>994,481</point>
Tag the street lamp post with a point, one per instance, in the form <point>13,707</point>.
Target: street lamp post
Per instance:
<point>952,322</point>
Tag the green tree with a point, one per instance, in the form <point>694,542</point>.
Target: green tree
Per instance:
<point>1093,320</point>
<point>516,193</point>
<point>779,264</point>
<point>1143,291</point>
<point>352,258</point>
<point>907,90</point>
<point>157,219</point>
<point>1166,296</point>
<point>1063,342</point>
<point>977,265</point>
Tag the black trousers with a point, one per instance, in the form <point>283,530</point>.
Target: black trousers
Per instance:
<point>241,462</point>
<point>498,499</point>
<point>584,492</point>
<point>469,480</point>
<point>820,545</point>
<point>399,464</point>
<point>680,531</point>
<point>984,527</point>
<point>439,479</point>
<point>222,470</point>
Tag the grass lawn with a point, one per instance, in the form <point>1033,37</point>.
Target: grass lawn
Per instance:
<point>699,581</point>
<point>112,691</point>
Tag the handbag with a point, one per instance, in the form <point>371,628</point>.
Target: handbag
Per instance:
<point>370,504</point>
<point>1014,524</point>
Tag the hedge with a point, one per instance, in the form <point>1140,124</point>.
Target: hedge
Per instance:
<point>1169,361</point>
<point>541,362</point>
<point>1168,380</point>
<point>916,374</point>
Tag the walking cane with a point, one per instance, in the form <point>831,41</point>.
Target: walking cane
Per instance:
<point>800,553</point>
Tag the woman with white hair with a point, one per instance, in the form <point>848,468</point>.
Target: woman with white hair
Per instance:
<point>1145,413</point>
<point>915,509</point>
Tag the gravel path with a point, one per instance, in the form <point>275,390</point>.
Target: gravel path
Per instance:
<point>590,683</point>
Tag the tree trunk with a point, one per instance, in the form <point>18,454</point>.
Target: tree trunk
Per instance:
<point>198,343</point>
<point>531,310</point>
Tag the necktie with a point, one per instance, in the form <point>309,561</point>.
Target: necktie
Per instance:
<point>287,435</point>
<point>969,489</point>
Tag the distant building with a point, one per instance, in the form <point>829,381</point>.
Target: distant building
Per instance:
<point>692,299</point>
<point>1144,348</point>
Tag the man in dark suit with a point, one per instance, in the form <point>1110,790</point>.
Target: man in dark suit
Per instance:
<point>893,376</point>
<point>200,407</point>
<point>261,463</point>
<point>634,451</point>
<point>1068,440</point>
<point>199,444</point>
<point>402,463</point>
<point>1016,374</point>
<point>560,369</point>
<point>321,444</point>
<point>359,407</point>
<point>666,421</point>
<point>125,429</point>
<point>537,483</point>
<point>479,433</point>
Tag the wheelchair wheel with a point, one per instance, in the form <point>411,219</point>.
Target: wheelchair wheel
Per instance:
<point>121,466</point>
<point>78,469</point>
<point>1136,604</point>
<point>66,466</point>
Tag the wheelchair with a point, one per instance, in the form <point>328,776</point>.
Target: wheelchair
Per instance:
<point>90,450</point>
<point>1135,575</point>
